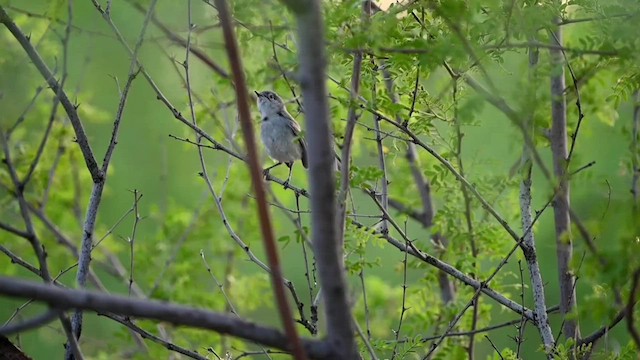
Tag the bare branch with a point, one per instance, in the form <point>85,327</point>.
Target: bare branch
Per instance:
<point>256,176</point>
<point>558,47</point>
<point>84,260</point>
<point>33,323</point>
<point>404,300</point>
<point>175,314</point>
<point>25,111</point>
<point>564,246</point>
<point>326,242</point>
<point>529,251</point>
<point>599,333</point>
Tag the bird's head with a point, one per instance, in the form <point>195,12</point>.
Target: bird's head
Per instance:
<point>269,102</point>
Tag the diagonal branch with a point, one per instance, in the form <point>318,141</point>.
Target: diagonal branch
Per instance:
<point>256,176</point>
<point>439,264</point>
<point>72,111</point>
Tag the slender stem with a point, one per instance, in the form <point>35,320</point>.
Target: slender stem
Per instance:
<point>404,299</point>
<point>352,118</point>
<point>635,152</point>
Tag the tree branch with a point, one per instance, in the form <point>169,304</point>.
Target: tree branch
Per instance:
<point>84,260</point>
<point>256,176</point>
<point>178,315</point>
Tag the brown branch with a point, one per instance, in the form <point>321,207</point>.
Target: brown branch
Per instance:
<point>256,176</point>
<point>467,215</point>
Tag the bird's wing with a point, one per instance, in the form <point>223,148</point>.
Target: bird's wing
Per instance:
<point>295,128</point>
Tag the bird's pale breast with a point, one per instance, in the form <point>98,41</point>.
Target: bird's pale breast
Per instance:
<point>280,142</point>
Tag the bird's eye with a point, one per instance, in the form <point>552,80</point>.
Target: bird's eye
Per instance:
<point>271,96</point>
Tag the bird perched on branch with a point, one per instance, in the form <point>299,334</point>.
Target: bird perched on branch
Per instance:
<point>280,133</point>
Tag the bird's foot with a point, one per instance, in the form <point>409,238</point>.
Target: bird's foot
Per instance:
<point>265,173</point>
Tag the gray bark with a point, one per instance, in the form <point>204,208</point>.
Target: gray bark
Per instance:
<point>324,222</point>
<point>559,149</point>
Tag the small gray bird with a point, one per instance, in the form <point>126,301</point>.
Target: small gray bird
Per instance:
<point>280,133</point>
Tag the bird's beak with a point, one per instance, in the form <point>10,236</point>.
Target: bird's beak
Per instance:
<point>257,94</point>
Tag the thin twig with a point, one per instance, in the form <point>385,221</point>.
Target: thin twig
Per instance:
<point>494,347</point>
<point>132,238</point>
<point>404,299</point>
<point>32,323</point>
<point>156,339</point>
<point>635,153</point>
<point>180,41</point>
<point>365,340</point>
<point>345,171</point>
<point>523,322</point>
<point>26,110</point>
<point>467,214</point>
